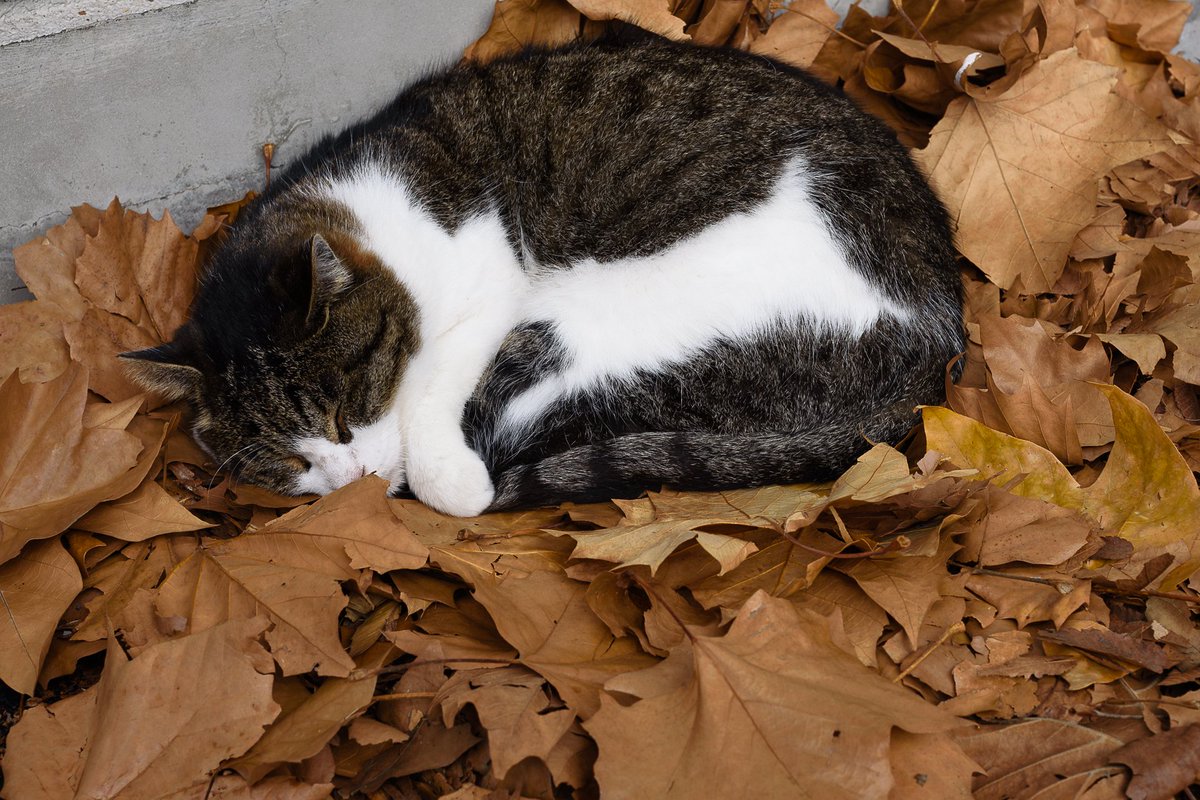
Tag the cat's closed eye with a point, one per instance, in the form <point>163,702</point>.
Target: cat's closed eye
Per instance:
<point>343,430</point>
<point>297,463</point>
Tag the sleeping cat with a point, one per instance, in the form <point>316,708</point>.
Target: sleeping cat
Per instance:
<point>576,274</point>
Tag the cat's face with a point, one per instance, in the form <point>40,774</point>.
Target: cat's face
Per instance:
<point>290,361</point>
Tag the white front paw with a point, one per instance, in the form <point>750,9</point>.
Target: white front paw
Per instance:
<point>449,477</point>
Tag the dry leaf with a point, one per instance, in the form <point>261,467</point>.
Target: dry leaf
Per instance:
<point>166,720</point>
<point>34,764</point>
<point>652,15</point>
<point>513,707</point>
<point>63,458</point>
<point>1018,171</point>
<point>35,590</point>
<point>1064,750</point>
<point>768,710</point>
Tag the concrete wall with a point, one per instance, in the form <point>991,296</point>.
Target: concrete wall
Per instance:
<point>167,103</point>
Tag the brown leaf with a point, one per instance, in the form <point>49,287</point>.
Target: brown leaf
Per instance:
<point>905,587</point>
<point>1018,171</point>
<point>34,766</point>
<point>121,280</point>
<point>61,458</point>
<point>1110,644</point>
<point>650,544</point>
<point>146,511</point>
<point>929,766</point>
<point>302,731</point>
<point>118,579</point>
<point>779,567</point>
<point>358,519</point>
<point>545,616</point>
<point>1162,765</point>
<point>651,15</point>
<point>520,23</point>
<point>513,708</point>
<point>1022,759</point>
<point>432,745</point>
<point>862,619</point>
<point>1129,497</point>
<point>760,712</point>
<point>35,589</point>
<point>1026,601</point>
<point>797,36</point>
<point>166,720</point>
<point>290,571</point>
<point>31,342</point>
<point>1027,530</point>
<point>293,588</point>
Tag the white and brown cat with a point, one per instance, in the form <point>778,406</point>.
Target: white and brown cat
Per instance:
<point>576,274</point>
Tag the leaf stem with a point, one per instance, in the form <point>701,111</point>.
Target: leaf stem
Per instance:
<point>957,627</point>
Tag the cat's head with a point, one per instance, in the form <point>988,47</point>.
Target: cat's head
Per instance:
<point>290,360</point>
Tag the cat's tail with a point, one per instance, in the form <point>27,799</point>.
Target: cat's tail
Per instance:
<point>627,465</point>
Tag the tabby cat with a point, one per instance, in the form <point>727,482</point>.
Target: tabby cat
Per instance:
<point>575,274</point>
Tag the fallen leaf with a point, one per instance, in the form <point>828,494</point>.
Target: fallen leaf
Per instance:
<point>1018,171</point>
<point>66,456</point>
<point>146,511</point>
<point>300,732</point>
<point>513,708</point>
<point>928,766</point>
<point>1129,498</point>
<point>797,36</point>
<point>545,616</point>
<point>905,587</point>
<point>35,589</point>
<point>651,15</point>
<point>1162,765</point>
<point>33,762</point>
<point>165,720</point>
<point>764,711</point>
<point>1023,759</point>
<point>31,342</point>
<point>520,23</point>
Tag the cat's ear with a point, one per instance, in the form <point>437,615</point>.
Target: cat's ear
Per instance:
<point>163,369</point>
<point>330,277</point>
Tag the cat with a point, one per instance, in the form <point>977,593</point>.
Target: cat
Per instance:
<point>574,274</point>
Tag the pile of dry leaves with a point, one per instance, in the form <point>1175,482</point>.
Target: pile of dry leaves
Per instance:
<point>1004,609</point>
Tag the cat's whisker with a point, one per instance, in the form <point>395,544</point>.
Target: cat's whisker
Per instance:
<point>235,454</point>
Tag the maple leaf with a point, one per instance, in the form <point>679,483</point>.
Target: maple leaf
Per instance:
<point>302,730</point>
<point>157,724</point>
<point>651,15</point>
<point>1130,498</point>
<point>545,616</point>
<point>520,23</point>
<point>290,571</point>
<point>1018,171</point>
<point>64,456</point>
<point>771,709</point>
<point>799,34</point>
<point>1066,753</point>
<point>513,706</point>
<point>35,590</point>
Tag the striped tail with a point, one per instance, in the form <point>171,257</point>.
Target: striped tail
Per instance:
<point>627,465</point>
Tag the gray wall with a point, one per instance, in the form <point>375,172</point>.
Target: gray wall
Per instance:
<point>167,103</point>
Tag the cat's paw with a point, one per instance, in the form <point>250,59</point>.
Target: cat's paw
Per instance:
<point>449,477</point>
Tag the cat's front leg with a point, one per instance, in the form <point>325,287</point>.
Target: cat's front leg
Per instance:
<point>441,469</point>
